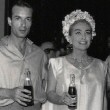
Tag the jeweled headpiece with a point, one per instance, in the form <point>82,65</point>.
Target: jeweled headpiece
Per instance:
<point>75,16</point>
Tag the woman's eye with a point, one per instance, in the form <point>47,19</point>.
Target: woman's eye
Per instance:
<point>88,32</point>
<point>77,33</point>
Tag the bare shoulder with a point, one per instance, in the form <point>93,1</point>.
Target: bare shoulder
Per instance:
<point>56,61</point>
<point>108,58</point>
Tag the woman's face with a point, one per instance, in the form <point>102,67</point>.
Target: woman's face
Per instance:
<point>81,35</point>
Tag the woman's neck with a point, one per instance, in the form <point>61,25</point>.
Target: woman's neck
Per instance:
<point>79,55</point>
<point>79,59</point>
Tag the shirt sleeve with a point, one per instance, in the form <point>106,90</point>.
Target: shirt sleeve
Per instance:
<point>56,65</point>
<point>51,66</point>
<point>107,63</point>
<point>41,91</point>
<point>44,67</point>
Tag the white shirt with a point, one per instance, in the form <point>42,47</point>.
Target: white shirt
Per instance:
<point>13,64</point>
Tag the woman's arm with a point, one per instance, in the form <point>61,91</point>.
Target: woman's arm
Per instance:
<point>52,96</point>
<point>51,92</point>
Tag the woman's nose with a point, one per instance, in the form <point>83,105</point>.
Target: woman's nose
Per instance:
<point>83,36</point>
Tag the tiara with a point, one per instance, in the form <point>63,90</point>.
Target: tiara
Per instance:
<point>75,16</point>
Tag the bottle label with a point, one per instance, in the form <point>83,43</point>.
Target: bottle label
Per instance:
<point>31,89</point>
<point>73,96</point>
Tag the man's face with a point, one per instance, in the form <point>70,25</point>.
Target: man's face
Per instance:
<point>49,49</point>
<point>21,21</point>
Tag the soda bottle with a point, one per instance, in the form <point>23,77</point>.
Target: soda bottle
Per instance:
<point>72,91</point>
<point>28,86</point>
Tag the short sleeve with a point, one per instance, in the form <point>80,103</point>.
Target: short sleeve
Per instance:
<point>44,67</point>
<point>56,65</point>
<point>52,67</point>
<point>107,62</point>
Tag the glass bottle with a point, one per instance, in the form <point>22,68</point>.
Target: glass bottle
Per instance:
<point>72,91</point>
<point>28,85</point>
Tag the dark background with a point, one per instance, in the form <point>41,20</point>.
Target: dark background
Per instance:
<point>48,16</point>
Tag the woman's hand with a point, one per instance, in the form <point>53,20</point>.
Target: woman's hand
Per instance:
<point>67,100</point>
<point>20,95</point>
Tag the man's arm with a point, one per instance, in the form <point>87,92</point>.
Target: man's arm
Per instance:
<point>108,75</point>
<point>17,94</point>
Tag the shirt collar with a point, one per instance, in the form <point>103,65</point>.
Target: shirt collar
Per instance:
<point>7,41</point>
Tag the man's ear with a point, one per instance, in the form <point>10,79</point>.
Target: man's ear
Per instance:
<point>9,21</point>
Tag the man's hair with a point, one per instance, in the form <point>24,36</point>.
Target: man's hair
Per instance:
<point>21,3</point>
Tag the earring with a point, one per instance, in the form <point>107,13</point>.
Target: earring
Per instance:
<point>69,40</point>
<point>91,39</point>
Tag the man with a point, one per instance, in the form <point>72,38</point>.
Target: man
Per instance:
<point>17,53</point>
<point>49,48</point>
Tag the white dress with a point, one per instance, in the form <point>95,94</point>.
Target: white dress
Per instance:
<point>90,83</point>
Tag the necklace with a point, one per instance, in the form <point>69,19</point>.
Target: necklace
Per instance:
<point>80,63</point>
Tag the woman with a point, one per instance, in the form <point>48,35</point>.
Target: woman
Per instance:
<point>90,73</point>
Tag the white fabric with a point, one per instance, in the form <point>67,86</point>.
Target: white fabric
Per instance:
<point>13,64</point>
<point>90,83</point>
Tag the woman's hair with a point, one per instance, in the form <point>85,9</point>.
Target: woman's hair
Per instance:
<point>74,17</point>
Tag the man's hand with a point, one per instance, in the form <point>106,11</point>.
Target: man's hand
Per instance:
<point>20,95</point>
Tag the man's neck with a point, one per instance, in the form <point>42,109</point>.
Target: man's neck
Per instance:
<point>19,43</point>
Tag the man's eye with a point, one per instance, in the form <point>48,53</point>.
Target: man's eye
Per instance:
<point>47,51</point>
<point>29,19</point>
<point>17,18</point>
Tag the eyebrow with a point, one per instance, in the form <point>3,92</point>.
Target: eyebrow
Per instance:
<point>76,29</point>
<point>80,30</point>
<point>49,49</point>
<point>16,16</point>
<point>29,17</point>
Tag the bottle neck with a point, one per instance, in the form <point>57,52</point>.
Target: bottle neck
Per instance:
<point>72,80</point>
<point>27,81</point>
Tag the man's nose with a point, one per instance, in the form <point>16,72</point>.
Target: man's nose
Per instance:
<point>23,23</point>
